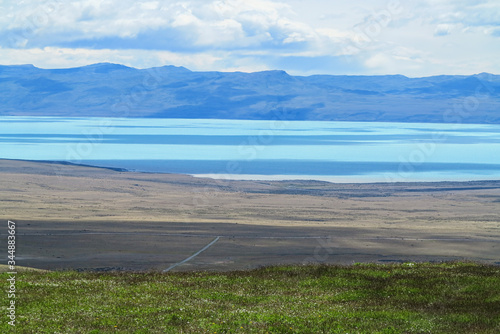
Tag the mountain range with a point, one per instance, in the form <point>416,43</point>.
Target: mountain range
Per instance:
<point>112,90</point>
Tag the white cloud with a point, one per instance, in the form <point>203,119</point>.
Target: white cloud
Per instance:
<point>216,23</point>
<point>477,16</point>
<point>412,37</point>
<point>495,32</point>
<point>474,13</point>
<point>51,57</point>
<point>442,30</point>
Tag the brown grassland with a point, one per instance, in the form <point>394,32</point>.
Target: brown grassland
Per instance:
<point>78,217</point>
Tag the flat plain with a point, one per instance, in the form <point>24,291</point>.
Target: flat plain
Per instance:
<point>86,218</point>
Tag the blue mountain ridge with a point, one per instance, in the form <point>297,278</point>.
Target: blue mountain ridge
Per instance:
<point>113,90</point>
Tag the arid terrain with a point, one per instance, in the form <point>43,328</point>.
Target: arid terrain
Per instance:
<point>87,218</point>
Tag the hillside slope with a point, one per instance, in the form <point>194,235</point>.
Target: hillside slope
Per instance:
<point>176,92</point>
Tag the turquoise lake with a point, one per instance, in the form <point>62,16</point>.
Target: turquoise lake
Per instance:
<point>331,151</point>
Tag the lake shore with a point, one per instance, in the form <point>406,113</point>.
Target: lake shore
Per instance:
<point>72,216</point>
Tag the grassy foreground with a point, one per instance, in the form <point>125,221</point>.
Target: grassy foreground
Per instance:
<point>406,298</point>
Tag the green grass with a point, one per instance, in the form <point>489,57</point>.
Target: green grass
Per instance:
<point>364,298</point>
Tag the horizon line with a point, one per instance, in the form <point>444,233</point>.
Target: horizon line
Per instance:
<point>264,71</point>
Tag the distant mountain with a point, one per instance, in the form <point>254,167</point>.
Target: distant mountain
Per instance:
<point>176,92</point>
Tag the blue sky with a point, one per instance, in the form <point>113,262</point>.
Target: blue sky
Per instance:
<point>411,37</point>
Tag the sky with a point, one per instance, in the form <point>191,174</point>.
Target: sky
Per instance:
<point>415,38</point>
